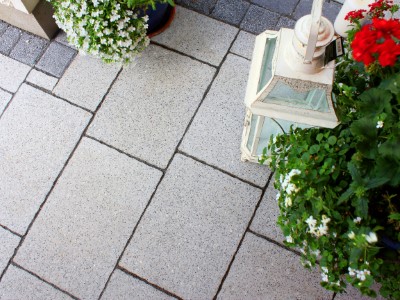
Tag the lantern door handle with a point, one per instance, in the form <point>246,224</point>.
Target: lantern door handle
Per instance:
<point>316,13</point>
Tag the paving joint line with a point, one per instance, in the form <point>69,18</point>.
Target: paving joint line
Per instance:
<point>273,241</point>
<point>242,239</point>
<point>219,169</point>
<point>129,273</point>
<point>11,231</point>
<point>44,280</point>
<point>241,56</point>
<point>58,97</point>
<point>125,153</point>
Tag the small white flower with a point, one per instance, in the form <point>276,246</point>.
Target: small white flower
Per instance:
<point>351,235</point>
<point>357,220</point>
<point>288,202</point>
<point>311,221</point>
<point>289,239</point>
<point>325,269</point>
<point>379,124</point>
<point>322,229</point>
<point>352,110</point>
<point>325,220</point>
<point>371,237</point>
<point>324,277</point>
<point>351,272</point>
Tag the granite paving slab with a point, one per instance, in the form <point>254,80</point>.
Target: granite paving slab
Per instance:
<point>230,11</point>
<point>216,132</point>
<point>353,293</point>
<point>42,80</point>
<point>61,37</point>
<point>86,81</point>
<point>28,49</point>
<point>126,287</point>
<point>84,226</point>
<point>244,44</point>
<point>5,97</point>
<point>12,73</point>
<point>3,26</point>
<point>9,38</point>
<point>259,19</point>
<point>285,22</point>
<point>262,270</point>
<point>56,59</point>
<point>191,229</point>
<point>8,243</point>
<point>202,6</point>
<point>18,284</point>
<point>266,216</point>
<point>285,7</point>
<point>37,134</point>
<point>198,36</point>
<point>151,104</point>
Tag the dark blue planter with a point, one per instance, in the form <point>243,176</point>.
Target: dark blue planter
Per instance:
<point>159,18</point>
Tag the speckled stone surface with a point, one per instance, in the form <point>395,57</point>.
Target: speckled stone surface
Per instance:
<point>285,7</point>
<point>3,26</point>
<point>8,39</point>
<point>266,216</point>
<point>262,270</point>
<point>191,229</point>
<point>125,287</point>
<point>19,284</point>
<point>12,73</point>
<point>83,228</point>
<point>56,59</point>
<point>42,80</point>
<point>354,294</point>
<point>259,19</point>
<point>37,134</point>
<point>216,132</point>
<point>285,22</point>
<point>5,97</point>
<point>198,36</point>
<point>148,120</point>
<point>330,9</point>
<point>8,243</point>
<point>230,11</point>
<point>202,6</point>
<point>244,44</point>
<point>61,37</point>
<point>86,81</point>
<point>28,49</point>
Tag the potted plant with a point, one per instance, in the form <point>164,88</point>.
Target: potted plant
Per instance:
<point>114,30</point>
<point>339,189</point>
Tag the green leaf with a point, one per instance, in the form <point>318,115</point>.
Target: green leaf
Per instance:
<point>361,207</point>
<point>319,137</point>
<point>314,149</point>
<point>395,216</point>
<point>391,148</point>
<point>332,140</point>
<point>391,84</point>
<point>373,101</point>
<point>346,195</point>
<point>365,128</point>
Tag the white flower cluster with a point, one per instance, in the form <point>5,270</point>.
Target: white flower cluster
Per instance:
<point>102,28</point>
<point>322,229</point>
<point>289,187</point>
<point>360,274</point>
<point>324,274</point>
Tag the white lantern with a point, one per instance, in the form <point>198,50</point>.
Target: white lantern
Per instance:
<point>288,82</point>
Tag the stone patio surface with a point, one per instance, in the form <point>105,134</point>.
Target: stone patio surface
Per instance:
<point>125,182</point>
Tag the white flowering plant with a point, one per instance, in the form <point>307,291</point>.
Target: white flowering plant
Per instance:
<point>339,189</point>
<point>114,30</point>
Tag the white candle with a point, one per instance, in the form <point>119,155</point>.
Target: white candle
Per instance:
<point>341,25</point>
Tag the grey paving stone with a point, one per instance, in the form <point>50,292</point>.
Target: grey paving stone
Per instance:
<point>230,11</point>
<point>82,230</point>
<point>259,19</point>
<point>198,36</point>
<point>244,44</point>
<point>8,39</point>
<point>285,23</point>
<point>330,9</point>
<point>191,229</point>
<point>266,217</point>
<point>151,104</point>
<point>42,80</point>
<point>262,270</point>
<point>56,59</point>
<point>354,294</point>
<point>202,6</point>
<point>86,81</point>
<point>8,243</point>
<point>125,287</point>
<point>12,73</point>
<point>282,7</point>
<point>37,134</point>
<point>28,49</point>
<point>5,97</point>
<point>3,26</point>
<point>19,284</point>
<point>62,39</point>
<point>216,132</point>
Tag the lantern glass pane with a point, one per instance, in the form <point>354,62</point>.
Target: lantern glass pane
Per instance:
<point>266,67</point>
<point>253,124</point>
<point>284,94</point>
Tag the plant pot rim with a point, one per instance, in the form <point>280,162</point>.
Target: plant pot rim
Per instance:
<point>172,10</point>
